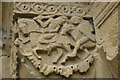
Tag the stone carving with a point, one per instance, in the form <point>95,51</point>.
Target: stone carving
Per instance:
<point>59,33</point>
<point>51,8</point>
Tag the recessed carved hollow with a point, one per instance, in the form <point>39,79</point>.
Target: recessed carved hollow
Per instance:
<point>59,40</point>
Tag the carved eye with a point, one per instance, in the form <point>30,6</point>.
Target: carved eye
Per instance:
<point>65,9</point>
<point>80,11</point>
<point>38,7</point>
<point>51,9</point>
<point>24,7</point>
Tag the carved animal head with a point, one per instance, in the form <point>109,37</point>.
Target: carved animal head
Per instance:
<point>75,19</point>
<point>66,28</point>
<point>64,18</point>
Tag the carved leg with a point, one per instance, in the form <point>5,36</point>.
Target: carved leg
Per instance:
<point>64,60</point>
<point>87,53</point>
<point>67,48</point>
<point>73,54</point>
<point>34,51</point>
<point>77,46</point>
<point>52,46</point>
<point>60,53</point>
<point>49,51</point>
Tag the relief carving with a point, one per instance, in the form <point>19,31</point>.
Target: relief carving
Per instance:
<point>60,34</point>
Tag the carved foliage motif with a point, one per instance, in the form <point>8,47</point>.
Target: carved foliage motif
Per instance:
<point>58,43</point>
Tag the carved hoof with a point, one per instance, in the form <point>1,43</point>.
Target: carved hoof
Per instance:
<point>63,62</point>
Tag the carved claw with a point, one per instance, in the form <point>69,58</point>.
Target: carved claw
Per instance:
<point>49,50</point>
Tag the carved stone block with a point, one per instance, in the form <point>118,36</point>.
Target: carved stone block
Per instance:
<point>55,38</point>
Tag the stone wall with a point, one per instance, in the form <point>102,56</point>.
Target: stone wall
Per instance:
<point>6,24</point>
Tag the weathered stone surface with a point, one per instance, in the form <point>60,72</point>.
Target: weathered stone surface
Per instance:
<point>55,30</point>
<point>56,40</point>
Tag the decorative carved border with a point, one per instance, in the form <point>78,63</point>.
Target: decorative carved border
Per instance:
<point>99,20</point>
<point>52,9</point>
<point>47,9</point>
